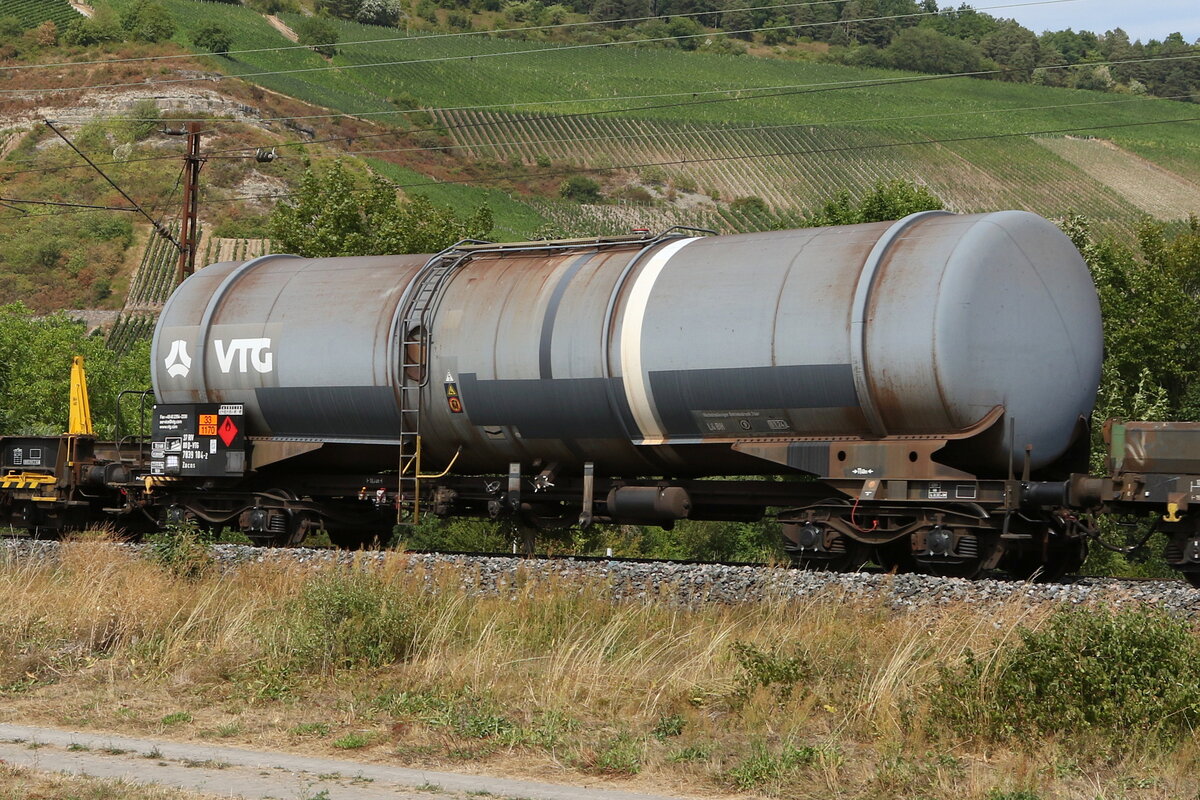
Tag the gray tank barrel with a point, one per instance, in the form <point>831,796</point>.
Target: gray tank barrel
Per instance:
<point>652,357</point>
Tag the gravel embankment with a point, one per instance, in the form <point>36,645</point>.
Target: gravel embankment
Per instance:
<point>696,584</point>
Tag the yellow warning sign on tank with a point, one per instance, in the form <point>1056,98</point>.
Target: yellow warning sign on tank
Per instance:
<point>452,399</point>
<point>207,425</point>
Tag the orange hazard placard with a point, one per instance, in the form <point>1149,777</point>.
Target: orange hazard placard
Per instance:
<point>208,425</point>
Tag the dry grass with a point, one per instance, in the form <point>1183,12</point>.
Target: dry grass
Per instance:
<point>19,783</point>
<point>812,698</point>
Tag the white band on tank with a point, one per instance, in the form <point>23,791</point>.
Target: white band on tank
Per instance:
<point>635,379</point>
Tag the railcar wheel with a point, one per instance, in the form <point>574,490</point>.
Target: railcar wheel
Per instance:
<point>1193,578</point>
<point>953,552</point>
<point>814,546</point>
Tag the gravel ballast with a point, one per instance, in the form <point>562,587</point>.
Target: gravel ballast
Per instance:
<point>688,584</point>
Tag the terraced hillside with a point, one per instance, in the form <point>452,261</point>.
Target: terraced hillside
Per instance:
<point>681,138</point>
<point>714,130</point>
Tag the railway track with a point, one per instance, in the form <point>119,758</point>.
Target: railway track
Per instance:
<point>691,583</point>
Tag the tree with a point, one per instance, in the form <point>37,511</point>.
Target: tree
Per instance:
<point>1013,47</point>
<point>213,37</point>
<point>103,27</point>
<point>319,34</point>
<point>342,9</point>
<point>1150,301</point>
<point>923,49</point>
<point>147,21</point>
<point>887,200</point>
<point>331,216</point>
<point>378,12</point>
<point>35,364</point>
<point>44,35</point>
<point>10,28</point>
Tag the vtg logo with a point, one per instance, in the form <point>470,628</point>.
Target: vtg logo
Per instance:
<point>244,353</point>
<point>178,362</point>
<point>254,351</point>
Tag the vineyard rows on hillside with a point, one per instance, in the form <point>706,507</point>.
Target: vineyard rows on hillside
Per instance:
<point>462,71</point>
<point>155,276</point>
<point>32,13</point>
<point>129,328</point>
<point>968,176</point>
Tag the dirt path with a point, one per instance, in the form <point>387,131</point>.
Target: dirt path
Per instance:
<point>282,27</point>
<point>237,772</point>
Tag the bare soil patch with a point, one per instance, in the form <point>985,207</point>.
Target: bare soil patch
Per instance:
<point>1159,192</point>
<point>282,27</point>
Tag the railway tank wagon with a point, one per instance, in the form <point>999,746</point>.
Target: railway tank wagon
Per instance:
<point>901,364</point>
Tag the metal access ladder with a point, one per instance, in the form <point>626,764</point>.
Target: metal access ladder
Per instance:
<point>419,306</point>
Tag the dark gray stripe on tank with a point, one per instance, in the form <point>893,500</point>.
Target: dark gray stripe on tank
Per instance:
<point>679,393</point>
<point>367,412</point>
<point>566,408</point>
<point>545,369</point>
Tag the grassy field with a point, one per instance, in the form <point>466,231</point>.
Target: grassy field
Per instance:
<point>515,221</point>
<point>825,696</point>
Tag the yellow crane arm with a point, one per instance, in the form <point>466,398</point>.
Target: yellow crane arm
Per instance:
<point>81,410</point>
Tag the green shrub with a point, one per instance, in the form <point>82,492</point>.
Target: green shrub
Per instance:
<point>1083,672</point>
<point>621,755</point>
<point>750,205</point>
<point>147,21</point>
<point>694,752</point>
<point>770,669</point>
<point>144,122</point>
<point>109,227</point>
<point>183,549</point>
<point>636,194</point>
<point>762,767</point>
<point>464,535</point>
<point>348,618</point>
<point>581,189</point>
<point>213,37</point>
<point>319,34</point>
<point>352,741</point>
<point>668,726</point>
<point>101,28</point>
